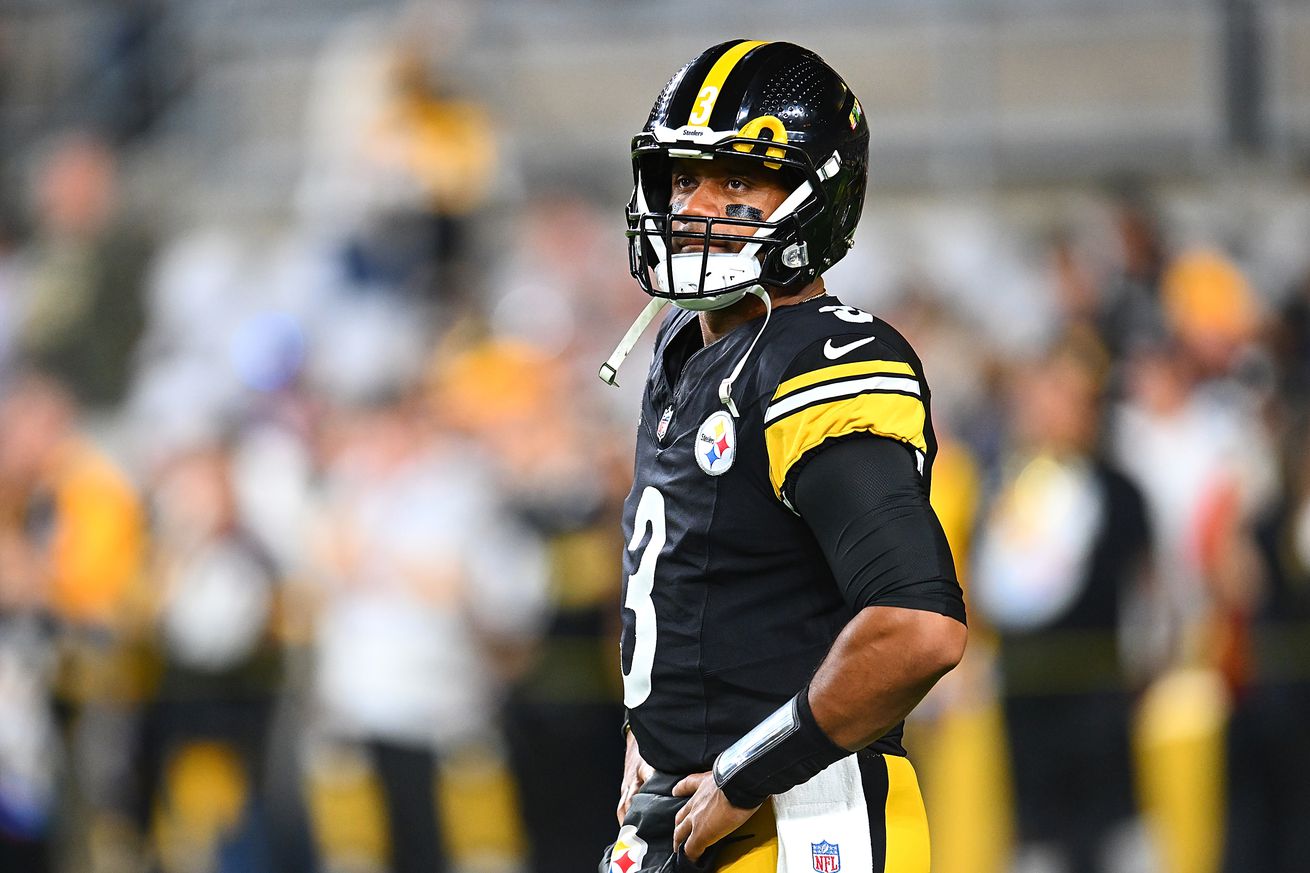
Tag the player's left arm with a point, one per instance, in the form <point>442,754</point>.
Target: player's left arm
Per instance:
<point>868,508</point>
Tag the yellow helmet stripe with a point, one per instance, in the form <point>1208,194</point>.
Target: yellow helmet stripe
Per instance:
<point>703,107</point>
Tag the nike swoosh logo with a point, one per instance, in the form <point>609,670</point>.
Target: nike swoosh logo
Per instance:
<point>832,352</point>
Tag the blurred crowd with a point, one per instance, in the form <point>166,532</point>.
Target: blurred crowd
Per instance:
<point>309,554</point>
<point>1126,490</point>
<point>307,543</point>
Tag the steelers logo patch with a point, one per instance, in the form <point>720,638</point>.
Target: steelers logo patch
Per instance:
<point>716,444</point>
<point>628,851</point>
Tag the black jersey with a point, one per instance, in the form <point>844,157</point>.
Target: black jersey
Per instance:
<point>728,603</point>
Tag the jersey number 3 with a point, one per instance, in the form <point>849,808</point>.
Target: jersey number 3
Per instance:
<point>650,516</point>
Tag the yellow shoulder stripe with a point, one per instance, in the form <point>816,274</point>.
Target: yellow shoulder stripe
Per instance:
<point>703,107</point>
<point>841,371</point>
<point>898,416</point>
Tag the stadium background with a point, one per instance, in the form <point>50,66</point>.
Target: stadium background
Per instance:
<point>308,489</point>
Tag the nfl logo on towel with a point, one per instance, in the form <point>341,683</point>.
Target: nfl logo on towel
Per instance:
<point>827,857</point>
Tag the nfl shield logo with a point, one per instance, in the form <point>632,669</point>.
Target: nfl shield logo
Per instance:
<point>663,427</point>
<point>827,857</point>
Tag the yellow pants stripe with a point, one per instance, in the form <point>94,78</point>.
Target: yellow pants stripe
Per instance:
<point>907,821</point>
<point>759,853</point>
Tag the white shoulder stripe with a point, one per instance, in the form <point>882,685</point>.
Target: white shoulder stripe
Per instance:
<point>833,390</point>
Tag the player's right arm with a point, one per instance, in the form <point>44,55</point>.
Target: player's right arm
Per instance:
<point>635,773</point>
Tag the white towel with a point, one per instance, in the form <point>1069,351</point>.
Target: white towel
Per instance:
<point>823,824</point>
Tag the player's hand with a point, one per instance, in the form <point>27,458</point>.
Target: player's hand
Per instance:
<point>705,819</point>
<point>635,773</point>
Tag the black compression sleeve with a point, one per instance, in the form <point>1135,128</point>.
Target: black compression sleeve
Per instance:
<point>865,502</point>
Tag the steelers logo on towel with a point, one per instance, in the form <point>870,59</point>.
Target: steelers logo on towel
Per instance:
<point>628,851</point>
<point>716,444</point>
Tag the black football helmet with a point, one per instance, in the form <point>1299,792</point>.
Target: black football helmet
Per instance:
<point>773,102</point>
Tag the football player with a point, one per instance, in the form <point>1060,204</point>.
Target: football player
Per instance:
<point>789,595</point>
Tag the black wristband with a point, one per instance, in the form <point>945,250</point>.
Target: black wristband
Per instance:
<point>784,750</point>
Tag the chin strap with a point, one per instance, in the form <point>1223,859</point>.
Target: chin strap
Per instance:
<point>725,387</point>
<point>609,370</point>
